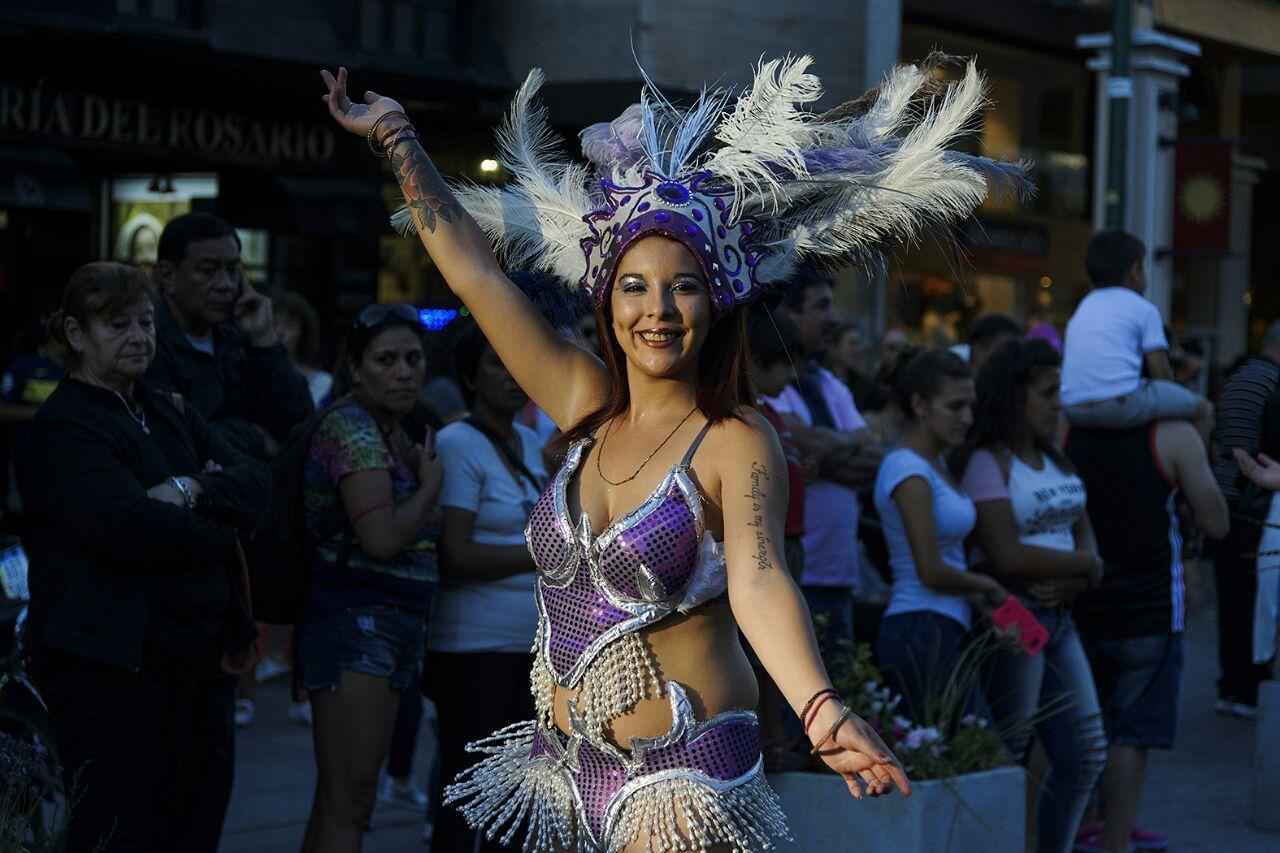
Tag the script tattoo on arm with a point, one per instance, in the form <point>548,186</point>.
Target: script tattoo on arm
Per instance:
<point>757,495</point>
<point>424,190</point>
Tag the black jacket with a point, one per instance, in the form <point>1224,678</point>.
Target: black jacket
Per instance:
<point>235,388</point>
<point>105,559</point>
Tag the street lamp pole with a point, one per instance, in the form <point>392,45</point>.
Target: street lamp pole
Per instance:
<point>1119,94</point>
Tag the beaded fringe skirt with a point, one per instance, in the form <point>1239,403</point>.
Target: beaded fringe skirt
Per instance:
<point>699,785</point>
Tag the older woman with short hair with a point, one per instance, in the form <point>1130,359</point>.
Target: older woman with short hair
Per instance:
<point>136,575</point>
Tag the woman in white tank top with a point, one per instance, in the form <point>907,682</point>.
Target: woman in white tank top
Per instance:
<point>1035,534</point>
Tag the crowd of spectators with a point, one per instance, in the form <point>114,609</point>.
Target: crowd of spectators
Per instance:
<point>928,487</point>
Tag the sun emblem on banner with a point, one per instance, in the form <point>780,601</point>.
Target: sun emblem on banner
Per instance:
<point>1202,198</point>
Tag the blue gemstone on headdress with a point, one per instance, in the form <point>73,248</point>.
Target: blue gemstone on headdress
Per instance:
<point>642,206</point>
<point>719,204</point>
<point>672,193</point>
<point>624,199</point>
<point>691,230</point>
<point>746,227</point>
<point>634,225</point>
<point>720,231</point>
<point>697,214</point>
<point>737,285</point>
<point>661,216</point>
<point>751,260</point>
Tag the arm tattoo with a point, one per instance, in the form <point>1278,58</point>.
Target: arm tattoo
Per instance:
<point>424,191</point>
<point>759,481</point>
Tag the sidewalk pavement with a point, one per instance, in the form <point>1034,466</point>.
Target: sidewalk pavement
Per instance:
<point>1199,793</point>
<point>275,778</point>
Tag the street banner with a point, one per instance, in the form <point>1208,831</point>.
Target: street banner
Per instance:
<point>1202,198</point>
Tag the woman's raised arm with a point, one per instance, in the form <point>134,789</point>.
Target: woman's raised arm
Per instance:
<point>563,379</point>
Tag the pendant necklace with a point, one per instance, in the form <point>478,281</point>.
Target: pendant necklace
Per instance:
<point>646,461</point>
<point>139,416</point>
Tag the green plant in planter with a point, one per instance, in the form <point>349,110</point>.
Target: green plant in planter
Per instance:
<point>949,740</point>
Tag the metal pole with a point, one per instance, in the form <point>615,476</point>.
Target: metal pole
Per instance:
<point>1119,94</point>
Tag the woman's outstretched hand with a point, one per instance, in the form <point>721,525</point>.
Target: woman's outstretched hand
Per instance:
<point>1264,470</point>
<point>858,754</point>
<point>355,117</point>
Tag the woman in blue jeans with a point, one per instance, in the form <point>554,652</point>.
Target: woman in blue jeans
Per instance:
<point>1035,535</point>
<point>926,517</point>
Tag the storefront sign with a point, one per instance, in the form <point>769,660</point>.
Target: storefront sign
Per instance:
<point>1006,246</point>
<point>128,122</point>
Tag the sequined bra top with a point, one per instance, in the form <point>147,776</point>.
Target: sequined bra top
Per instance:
<point>646,565</point>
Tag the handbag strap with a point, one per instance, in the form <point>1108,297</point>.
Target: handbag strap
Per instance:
<point>505,449</point>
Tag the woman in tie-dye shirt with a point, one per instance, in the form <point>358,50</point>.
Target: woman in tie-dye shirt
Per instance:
<point>370,493</point>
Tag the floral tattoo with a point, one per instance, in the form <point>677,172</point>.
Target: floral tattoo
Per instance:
<point>424,191</point>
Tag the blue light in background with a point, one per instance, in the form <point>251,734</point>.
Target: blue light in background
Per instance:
<point>436,319</point>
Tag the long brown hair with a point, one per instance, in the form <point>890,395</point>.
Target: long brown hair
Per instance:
<point>724,378</point>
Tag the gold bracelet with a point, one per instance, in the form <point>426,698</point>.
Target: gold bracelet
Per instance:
<point>848,712</point>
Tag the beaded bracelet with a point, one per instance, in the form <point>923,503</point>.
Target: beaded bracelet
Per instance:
<point>844,715</point>
<point>804,712</point>
<point>403,134</point>
<point>813,716</point>
<point>374,129</point>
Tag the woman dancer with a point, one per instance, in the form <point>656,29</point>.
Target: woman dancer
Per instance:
<point>642,738</point>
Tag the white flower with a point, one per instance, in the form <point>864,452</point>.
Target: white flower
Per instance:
<point>917,738</point>
<point>969,720</point>
<point>902,723</point>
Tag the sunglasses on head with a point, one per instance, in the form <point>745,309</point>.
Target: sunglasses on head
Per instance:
<point>375,315</point>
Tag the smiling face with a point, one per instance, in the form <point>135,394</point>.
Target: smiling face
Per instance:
<point>116,349</point>
<point>661,308</point>
<point>391,371</point>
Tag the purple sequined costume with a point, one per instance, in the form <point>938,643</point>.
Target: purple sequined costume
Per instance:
<point>594,594</point>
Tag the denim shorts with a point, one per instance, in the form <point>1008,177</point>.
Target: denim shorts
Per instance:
<point>1138,679</point>
<point>376,640</point>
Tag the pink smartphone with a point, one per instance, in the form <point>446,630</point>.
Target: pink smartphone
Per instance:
<point>1031,633</point>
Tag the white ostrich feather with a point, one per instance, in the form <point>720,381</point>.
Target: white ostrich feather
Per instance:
<point>765,132</point>
<point>536,220</point>
<point>839,188</point>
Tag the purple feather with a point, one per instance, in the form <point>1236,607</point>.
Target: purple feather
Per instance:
<point>614,143</point>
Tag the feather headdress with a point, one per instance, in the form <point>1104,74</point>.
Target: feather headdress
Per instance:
<point>752,185</point>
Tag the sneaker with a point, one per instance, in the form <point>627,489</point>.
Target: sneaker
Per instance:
<point>428,830</point>
<point>299,713</point>
<point>1148,839</point>
<point>401,792</point>
<point>244,712</point>
<point>1232,708</point>
<point>269,668</point>
<point>1089,839</point>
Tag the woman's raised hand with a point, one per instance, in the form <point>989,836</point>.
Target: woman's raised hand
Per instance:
<point>355,117</point>
<point>858,754</point>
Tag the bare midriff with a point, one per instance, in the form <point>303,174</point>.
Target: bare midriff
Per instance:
<point>702,652</point>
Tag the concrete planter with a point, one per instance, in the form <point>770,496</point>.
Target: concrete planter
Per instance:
<point>825,819</point>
